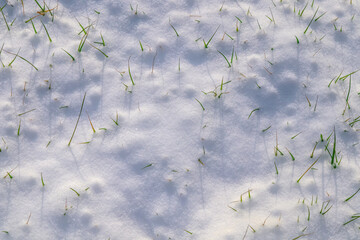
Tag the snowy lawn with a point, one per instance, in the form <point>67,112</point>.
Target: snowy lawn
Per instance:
<point>179,119</point>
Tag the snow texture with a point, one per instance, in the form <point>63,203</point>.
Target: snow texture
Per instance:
<point>194,149</point>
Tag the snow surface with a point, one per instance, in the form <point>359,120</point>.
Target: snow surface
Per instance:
<point>169,169</point>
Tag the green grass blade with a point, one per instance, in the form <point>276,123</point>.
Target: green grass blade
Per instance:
<point>352,195</point>
<point>69,54</point>
<point>200,104</point>
<point>311,20</point>
<point>132,80</point>
<point>82,105</point>
<point>7,25</point>
<point>225,58</point>
<point>47,33</point>
<point>99,50</point>
<point>208,42</point>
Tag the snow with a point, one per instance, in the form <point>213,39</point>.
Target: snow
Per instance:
<point>158,165</point>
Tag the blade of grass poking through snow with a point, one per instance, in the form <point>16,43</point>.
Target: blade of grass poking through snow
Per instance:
<point>308,101</point>
<point>173,28</point>
<point>42,8</point>
<point>17,54</point>
<point>317,98</point>
<point>82,41</point>
<point>311,20</point>
<point>319,17</point>
<point>229,36</point>
<point>32,23</point>
<point>353,218</point>
<point>308,169</point>
<point>225,58</point>
<point>258,24</point>
<point>47,33</point>
<point>352,195</point>
<point>276,169</point>
<point>116,121</point>
<point>98,50</point>
<point>42,180</point>
<point>272,15</point>
<point>292,156</point>
<point>206,44</point>
<point>142,49</point>
<point>20,114</point>
<point>102,40</point>
<point>78,194</point>
<point>200,104</point>
<point>90,122</point>
<point>347,97</point>
<point>346,76</point>
<point>232,56</point>
<point>334,151</point>
<point>312,153</point>
<point>238,19</point>
<point>1,9</point>
<point>256,109</point>
<point>355,121</point>
<point>83,29</point>
<point>297,40</point>
<point>18,131</point>
<point>69,54</point>
<point>149,165</point>
<point>188,232</point>
<point>264,130</point>
<point>302,12</point>
<point>82,105</point>
<point>296,135</point>
<point>132,80</point>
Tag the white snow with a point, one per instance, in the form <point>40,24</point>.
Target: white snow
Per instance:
<point>158,165</point>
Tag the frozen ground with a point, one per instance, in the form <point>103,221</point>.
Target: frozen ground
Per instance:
<point>195,149</point>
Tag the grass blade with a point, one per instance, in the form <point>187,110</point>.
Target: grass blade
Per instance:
<point>352,195</point>
<point>69,54</point>
<point>99,50</point>
<point>308,169</point>
<point>47,33</point>
<point>200,104</point>
<point>208,42</point>
<point>311,20</point>
<point>132,80</point>
<point>82,105</point>
<point>7,25</point>
<point>225,58</point>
